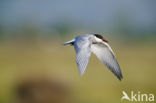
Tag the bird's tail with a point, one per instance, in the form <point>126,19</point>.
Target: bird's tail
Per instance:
<point>69,42</point>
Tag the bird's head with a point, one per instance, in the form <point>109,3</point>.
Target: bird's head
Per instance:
<point>99,38</point>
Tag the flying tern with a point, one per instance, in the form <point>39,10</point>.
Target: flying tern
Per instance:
<point>94,43</point>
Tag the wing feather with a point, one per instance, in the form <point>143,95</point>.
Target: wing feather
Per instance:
<point>104,52</point>
<point>83,51</point>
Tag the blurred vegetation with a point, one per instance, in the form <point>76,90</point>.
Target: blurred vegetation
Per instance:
<point>121,29</point>
<point>46,60</point>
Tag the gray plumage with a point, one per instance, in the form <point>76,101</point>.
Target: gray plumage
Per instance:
<point>87,43</point>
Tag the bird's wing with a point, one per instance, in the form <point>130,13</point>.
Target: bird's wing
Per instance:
<point>83,51</point>
<point>104,52</point>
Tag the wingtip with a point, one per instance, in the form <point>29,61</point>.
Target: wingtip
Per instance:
<point>81,73</point>
<point>120,77</point>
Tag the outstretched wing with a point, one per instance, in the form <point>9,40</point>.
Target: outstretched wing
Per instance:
<point>104,52</point>
<point>83,51</point>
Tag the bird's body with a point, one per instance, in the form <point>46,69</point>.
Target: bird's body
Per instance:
<point>86,44</point>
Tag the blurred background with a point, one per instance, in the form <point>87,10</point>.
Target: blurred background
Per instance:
<point>36,68</point>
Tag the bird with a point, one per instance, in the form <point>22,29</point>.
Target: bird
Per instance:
<point>86,44</point>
